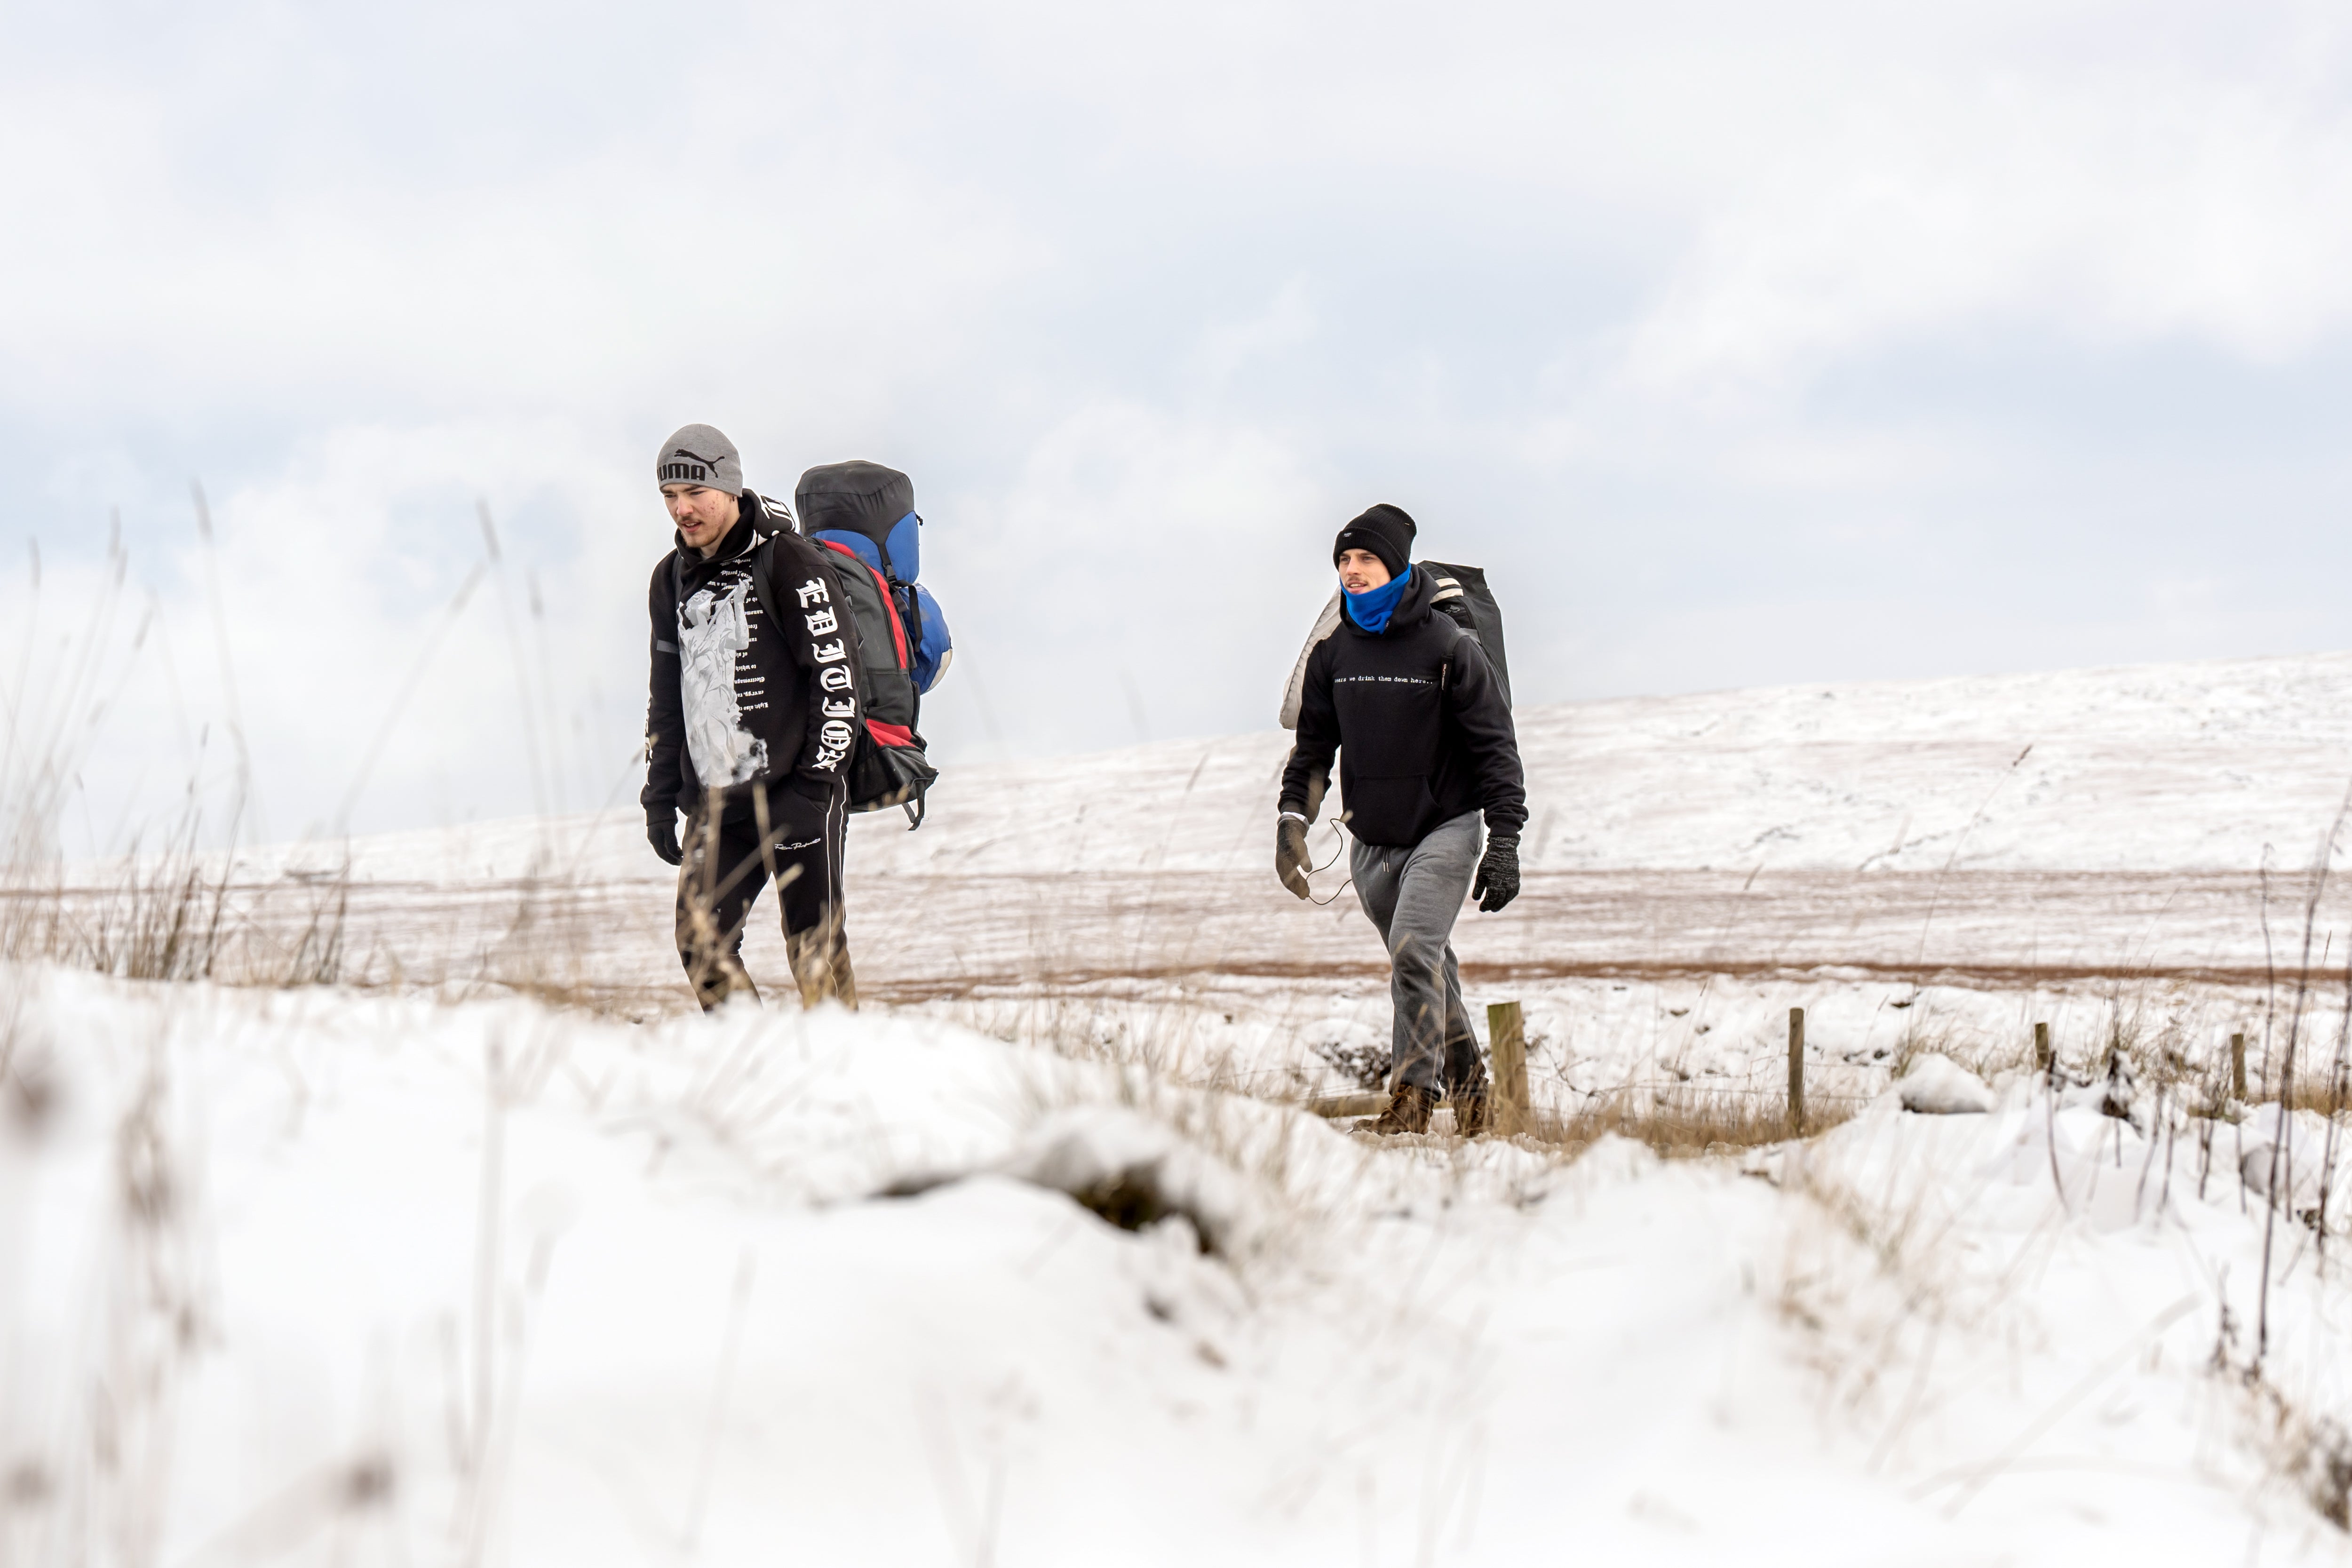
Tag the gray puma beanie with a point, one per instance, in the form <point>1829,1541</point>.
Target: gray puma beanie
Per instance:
<point>700,455</point>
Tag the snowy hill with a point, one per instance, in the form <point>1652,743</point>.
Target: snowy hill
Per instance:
<point>1947,860</point>
<point>2147,769</point>
<point>2141,769</point>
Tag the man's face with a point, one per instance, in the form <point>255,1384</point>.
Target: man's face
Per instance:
<point>702,515</point>
<point>1361,570</point>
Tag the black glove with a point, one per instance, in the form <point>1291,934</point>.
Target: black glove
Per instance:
<point>1291,861</point>
<point>661,832</point>
<point>1498,875</point>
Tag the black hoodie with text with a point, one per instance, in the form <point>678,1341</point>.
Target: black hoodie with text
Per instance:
<point>1419,723</point>
<point>735,700</point>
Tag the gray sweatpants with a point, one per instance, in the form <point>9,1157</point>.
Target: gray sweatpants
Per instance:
<point>1412,895</point>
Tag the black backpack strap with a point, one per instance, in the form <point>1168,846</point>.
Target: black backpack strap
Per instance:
<point>1454,604</point>
<point>763,577</point>
<point>775,518</point>
<point>1453,651</point>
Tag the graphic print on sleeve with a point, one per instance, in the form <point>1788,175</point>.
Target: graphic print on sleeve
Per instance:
<point>713,633</point>
<point>838,686</point>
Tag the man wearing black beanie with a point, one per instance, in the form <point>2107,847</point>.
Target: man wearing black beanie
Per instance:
<point>1406,700</point>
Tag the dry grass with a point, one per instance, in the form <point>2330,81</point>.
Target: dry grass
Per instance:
<point>186,917</point>
<point>1688,1123</point>
<point>2312,1452</point>
<point>178,918</point>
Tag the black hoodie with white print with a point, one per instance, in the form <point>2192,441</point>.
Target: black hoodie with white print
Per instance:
<point>1418,722</point>
<point>735,700</point>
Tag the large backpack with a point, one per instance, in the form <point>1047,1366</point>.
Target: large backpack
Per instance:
<point>887,765</point>
<point>866,514</point>
<point>1462,597</point>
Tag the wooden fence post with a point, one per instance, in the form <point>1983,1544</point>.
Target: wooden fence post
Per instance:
<point>1796,1072</point>
<point>2043,1062</point>
<point>2238,1068</point>
<point>1507,1036</point>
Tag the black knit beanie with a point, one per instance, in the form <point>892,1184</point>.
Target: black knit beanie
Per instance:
<point>1386,530</point>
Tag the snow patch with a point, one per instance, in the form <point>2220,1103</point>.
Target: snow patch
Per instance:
<point>1939,1086</point>
<point>1613,1159</point>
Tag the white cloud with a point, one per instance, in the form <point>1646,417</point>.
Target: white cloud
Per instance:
<point>2146,199</point>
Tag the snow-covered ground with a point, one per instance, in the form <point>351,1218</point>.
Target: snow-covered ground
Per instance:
<point>314,1276</point>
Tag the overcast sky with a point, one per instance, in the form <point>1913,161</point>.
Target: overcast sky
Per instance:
<point>1742,344</point>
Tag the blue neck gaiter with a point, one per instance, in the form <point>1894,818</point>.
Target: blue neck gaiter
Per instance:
<point>1372,610</point>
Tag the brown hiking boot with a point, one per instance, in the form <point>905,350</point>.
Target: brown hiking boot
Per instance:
<point>1473,1114</point>
<point>1408,1110</point>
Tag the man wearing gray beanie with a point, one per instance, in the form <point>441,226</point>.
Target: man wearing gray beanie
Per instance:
<point>751,720</point>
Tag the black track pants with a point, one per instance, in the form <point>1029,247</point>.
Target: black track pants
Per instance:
<point>726,865</point>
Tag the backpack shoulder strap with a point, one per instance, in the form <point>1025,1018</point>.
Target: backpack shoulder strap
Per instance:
<point>774,520</point>
<point>763,578</point>
<point>1460,634</point>
<point>1450,600</point>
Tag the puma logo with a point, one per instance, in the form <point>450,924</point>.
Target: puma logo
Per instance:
<point>707,462</point>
